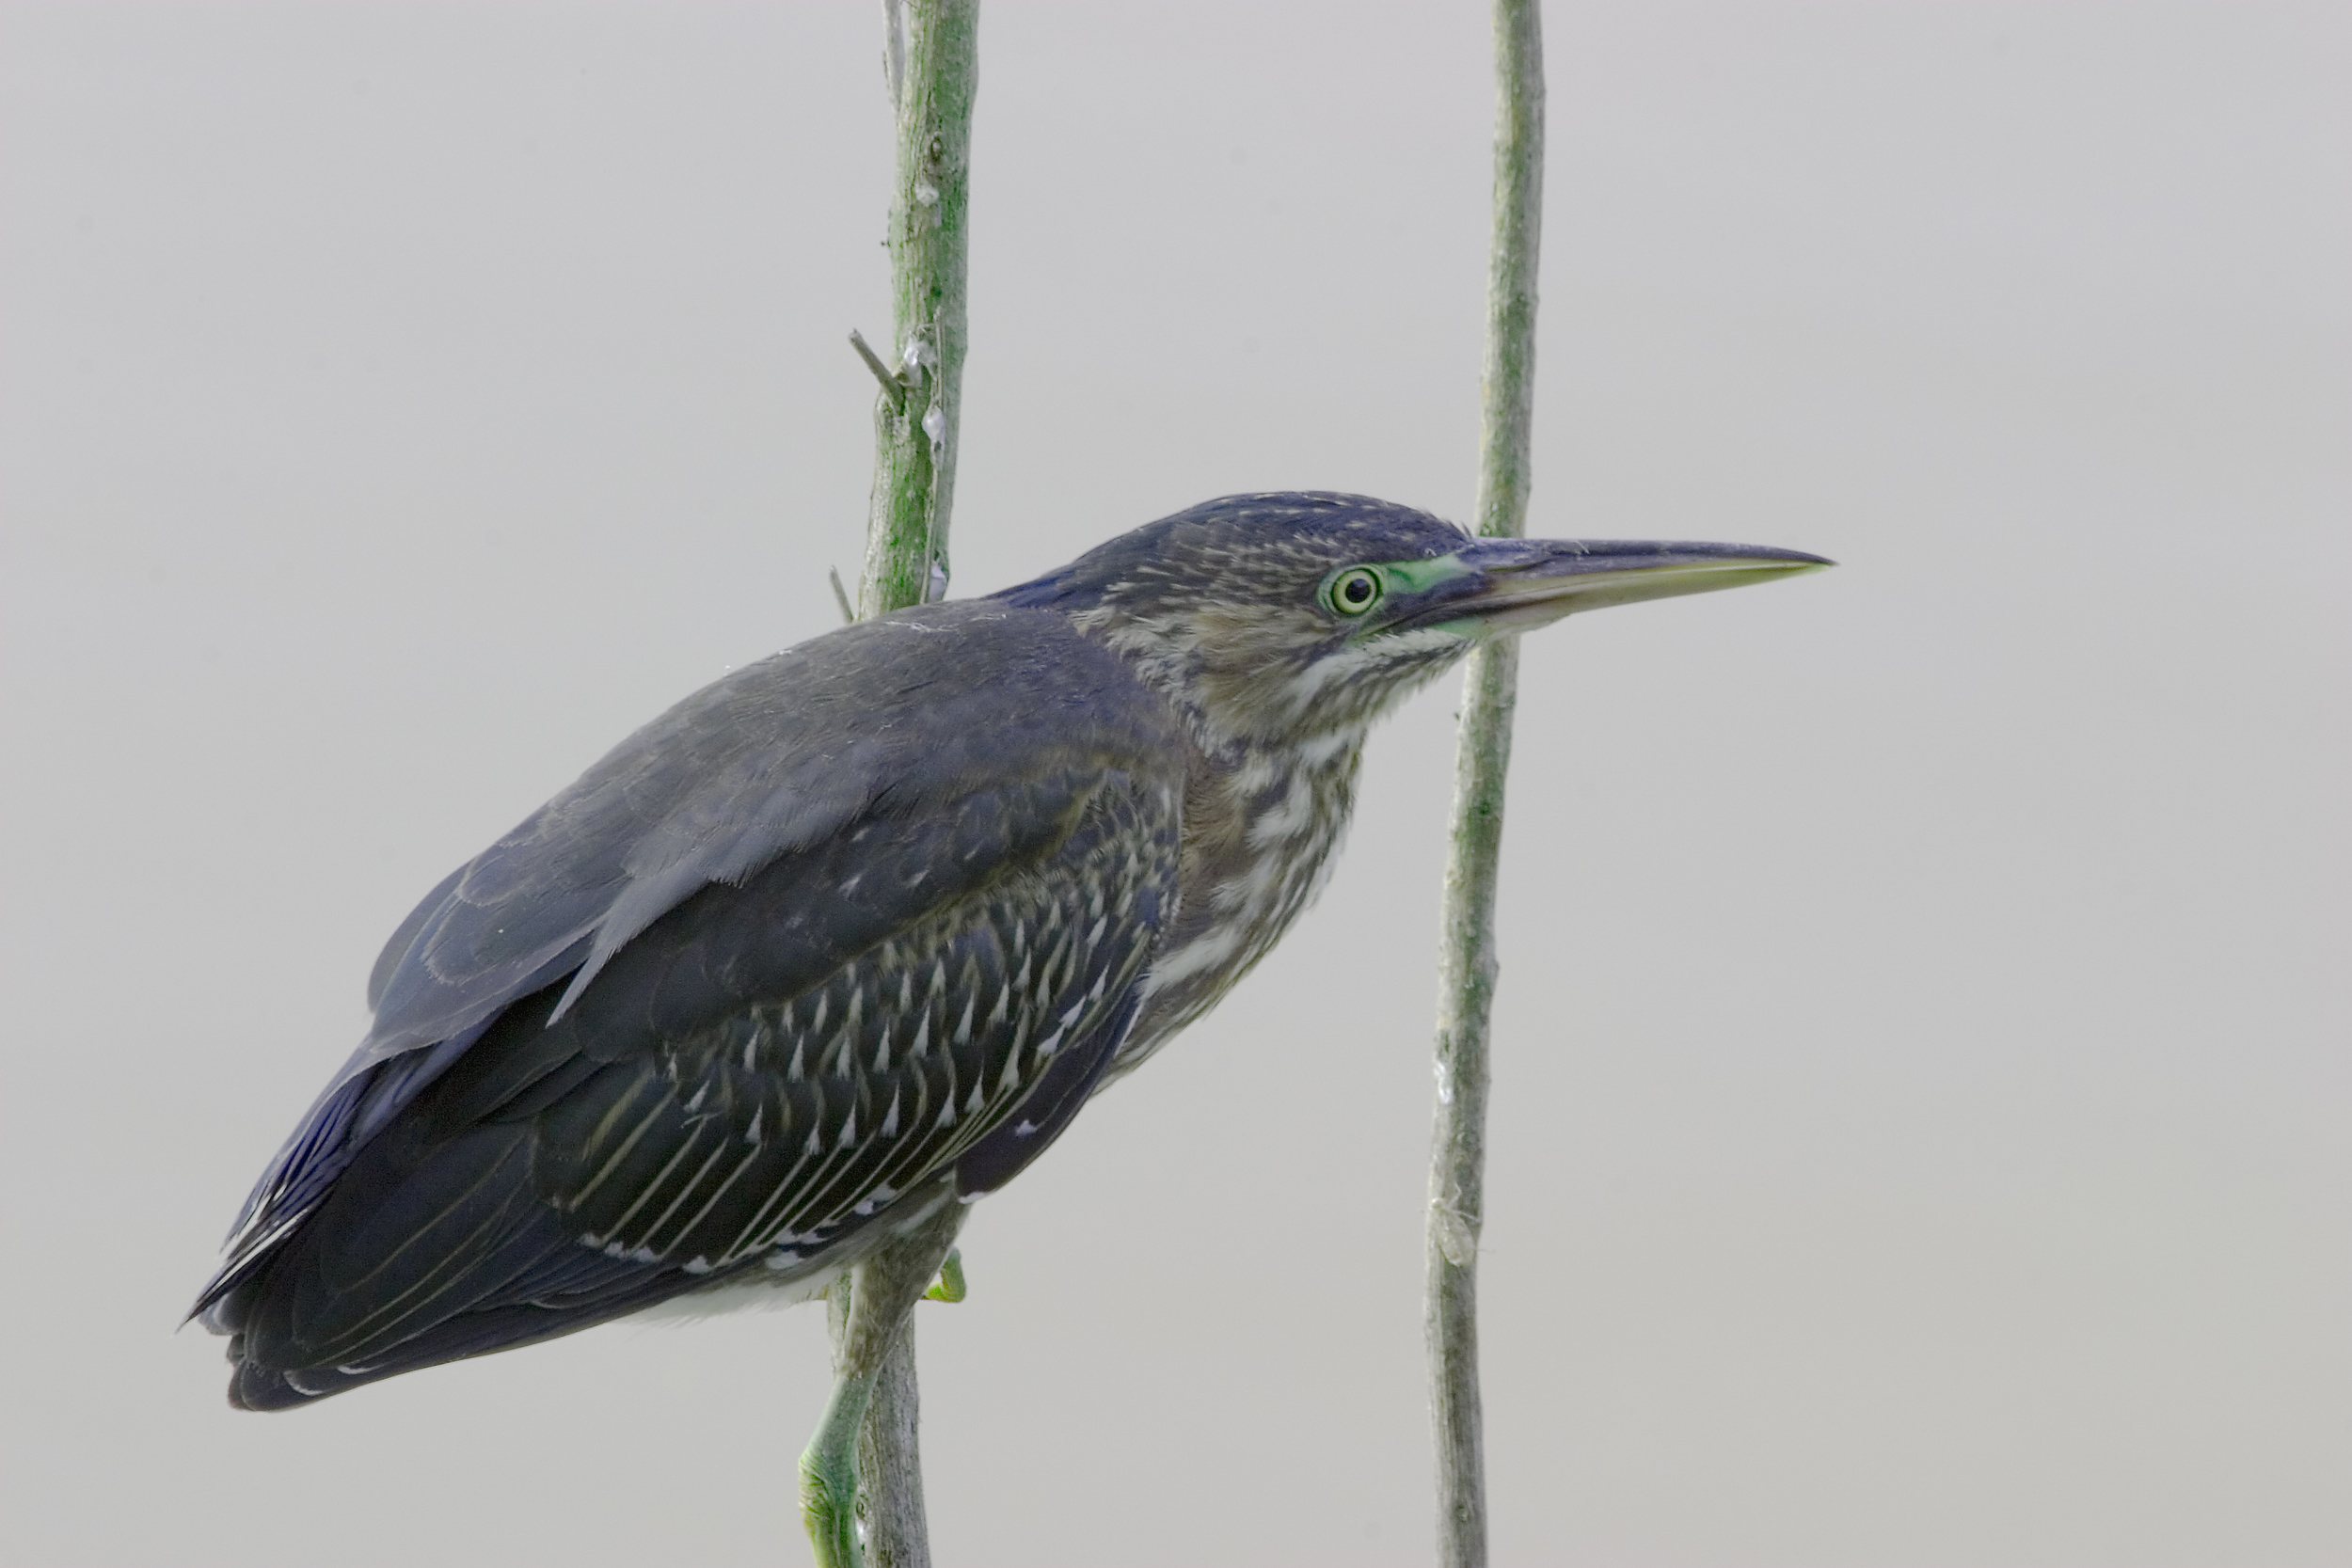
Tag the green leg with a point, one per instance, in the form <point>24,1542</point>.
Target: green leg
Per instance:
<point>829,1465</point>
<point>870,1304</point>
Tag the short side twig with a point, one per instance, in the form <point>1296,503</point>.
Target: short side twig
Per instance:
<point>894,390</point>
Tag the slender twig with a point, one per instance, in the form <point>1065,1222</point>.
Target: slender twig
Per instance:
<point>862,1482</point>
<point>1466,953</point>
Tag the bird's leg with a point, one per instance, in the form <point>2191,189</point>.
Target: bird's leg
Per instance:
<point>881,1293</point>
<point>829,1465</point>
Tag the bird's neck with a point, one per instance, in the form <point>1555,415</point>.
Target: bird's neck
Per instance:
<point>1262,821</point>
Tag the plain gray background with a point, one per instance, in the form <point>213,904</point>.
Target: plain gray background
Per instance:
<point>1920,1109</point>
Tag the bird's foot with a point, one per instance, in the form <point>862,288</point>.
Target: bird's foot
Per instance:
<point>949,1285</point>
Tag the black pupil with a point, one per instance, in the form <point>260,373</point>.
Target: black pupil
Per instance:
<point>1357,590</point>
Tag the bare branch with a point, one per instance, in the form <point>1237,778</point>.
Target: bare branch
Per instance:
<point>864,1464</point>
<point>1466,956</point>
<point>915,431</point>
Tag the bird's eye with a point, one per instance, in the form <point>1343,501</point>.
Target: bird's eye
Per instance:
<point>1353,591</point>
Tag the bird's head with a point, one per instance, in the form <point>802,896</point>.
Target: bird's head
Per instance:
<point>1283,617</point>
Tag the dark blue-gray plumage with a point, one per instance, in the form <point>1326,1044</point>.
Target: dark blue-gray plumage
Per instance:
<point>856,930</point>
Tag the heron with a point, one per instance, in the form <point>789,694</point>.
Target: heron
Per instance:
<point>854,932</point>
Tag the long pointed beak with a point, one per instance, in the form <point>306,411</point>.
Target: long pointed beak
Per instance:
<point>1513,585</point>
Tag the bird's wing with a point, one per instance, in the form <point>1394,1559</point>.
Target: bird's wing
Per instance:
<point>748,849</point>
<point>747,1085</point>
